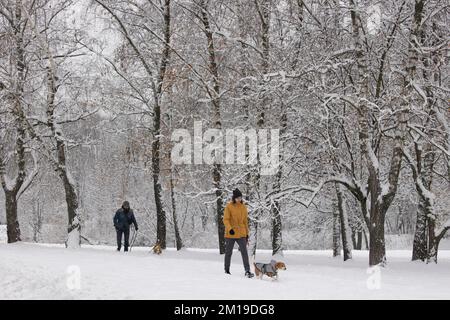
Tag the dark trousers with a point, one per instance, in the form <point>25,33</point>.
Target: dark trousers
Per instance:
<point>126,232</point>
<point>229,245</point>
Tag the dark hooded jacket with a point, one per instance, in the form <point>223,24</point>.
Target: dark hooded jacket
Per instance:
<point>123,220</point>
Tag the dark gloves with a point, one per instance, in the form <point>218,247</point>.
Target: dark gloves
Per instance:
<point>232,232</point>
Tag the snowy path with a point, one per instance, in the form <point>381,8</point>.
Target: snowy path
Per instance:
<point>31,271</point>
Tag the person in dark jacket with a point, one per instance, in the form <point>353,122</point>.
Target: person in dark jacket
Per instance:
<point>123,218</point>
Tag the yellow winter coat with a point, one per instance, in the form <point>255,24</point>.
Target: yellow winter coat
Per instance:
<point>236,217</point>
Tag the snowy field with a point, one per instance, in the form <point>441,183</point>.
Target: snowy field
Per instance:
<point>36,271</point>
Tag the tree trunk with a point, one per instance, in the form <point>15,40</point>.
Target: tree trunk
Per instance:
<point>377,248</point>
<point>336,231</point>
<point>422,171</point>
<point>277,239</point>
<point>249,194</point>
<point>434,245</point>
<point>253,238</point>
<point>37,220</point>
<point>433,251</point>
<point>12,223</point>
<point>359,232</point>
<point>11,192</point>
<point>264,16</point>
<point>157,189</point>
<point>354,240</point>
<point>74,223</point>
<point>420,234</point>
<point>359,240</point>
<point>178,241</point>
<point>343,219</point>
<point>74,219</point>
<point>156,144</point>
<point>219,208</point>
<point>215,97</point>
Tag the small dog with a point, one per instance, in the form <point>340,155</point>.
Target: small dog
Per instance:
<point>269,269</point>
<point>157,249</point>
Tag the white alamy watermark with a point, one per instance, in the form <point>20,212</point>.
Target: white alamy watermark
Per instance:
<point>230,146</point>
<point>73,280</point>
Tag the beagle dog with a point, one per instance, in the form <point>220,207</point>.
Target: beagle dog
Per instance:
<point>157,249</point>
<point>269,269</point>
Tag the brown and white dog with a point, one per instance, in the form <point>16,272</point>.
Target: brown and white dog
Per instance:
<point>269,269</point>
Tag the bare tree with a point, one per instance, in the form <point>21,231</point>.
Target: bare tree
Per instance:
<point>156,77</point>
<point>12,96</point>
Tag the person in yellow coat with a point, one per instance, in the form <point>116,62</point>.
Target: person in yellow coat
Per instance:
<point>235,219</point>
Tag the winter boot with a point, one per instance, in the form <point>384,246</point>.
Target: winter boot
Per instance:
<point>248,274</point>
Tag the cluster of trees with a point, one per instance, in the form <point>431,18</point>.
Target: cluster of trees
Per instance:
<point>92,89</point>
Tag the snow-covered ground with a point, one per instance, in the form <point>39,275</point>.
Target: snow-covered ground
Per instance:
<point>33,271</point>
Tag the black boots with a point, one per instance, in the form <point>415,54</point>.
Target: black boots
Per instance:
<point>248,274</point>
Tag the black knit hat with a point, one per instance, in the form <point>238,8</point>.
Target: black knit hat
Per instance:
<point>236,193</point>
<point>126,205</point>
